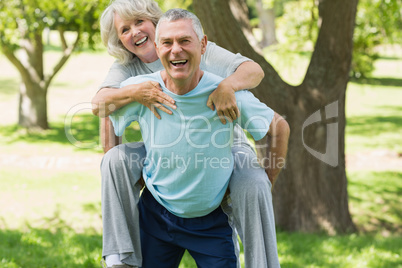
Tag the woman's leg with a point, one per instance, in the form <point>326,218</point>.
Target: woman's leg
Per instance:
<point>121,169</point>
<point>250,193</point>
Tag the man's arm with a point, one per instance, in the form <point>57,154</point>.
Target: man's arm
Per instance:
<point>248,75</point>
<point>108,137</point>
<point>277,138</point>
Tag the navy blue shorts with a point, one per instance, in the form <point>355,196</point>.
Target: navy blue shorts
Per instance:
<point>165,237</point>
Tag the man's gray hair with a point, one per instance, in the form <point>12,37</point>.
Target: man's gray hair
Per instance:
<point>179,14</point>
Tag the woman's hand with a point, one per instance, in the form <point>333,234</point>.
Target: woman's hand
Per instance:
<point>223,99</point>
<point>150,94</point>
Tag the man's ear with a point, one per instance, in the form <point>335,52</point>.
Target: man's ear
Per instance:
<point>156,48</point>
<point>204,42</point>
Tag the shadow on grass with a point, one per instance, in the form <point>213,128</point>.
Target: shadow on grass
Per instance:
<point>62,248</point>
<point>81,132</point>
<point>84,129</point>
<point>318,250</point>
<point>371,126</point>
<point>390,82</point>
<point>375,198</point>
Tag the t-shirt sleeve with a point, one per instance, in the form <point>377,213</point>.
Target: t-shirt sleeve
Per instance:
<point>124,116</point>
<point>220,61</point>
<point>117,73</point>
<point>127,114</point>
<point>255,116</point>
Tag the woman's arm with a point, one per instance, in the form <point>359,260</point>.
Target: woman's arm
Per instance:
<point>277,138</point>
<point>149,94</point>
<point>239,72</point>
<point>248,75</point>
<point>108,137</point>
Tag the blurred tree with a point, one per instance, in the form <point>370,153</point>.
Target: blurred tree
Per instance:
<point>300,24</point>
<point>22,23</point>
<point>311,193</point>
<point>266,14</point>
<point>377,22</point>
<point>185,4</point>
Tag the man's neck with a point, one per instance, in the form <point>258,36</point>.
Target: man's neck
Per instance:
<point>181,87</point>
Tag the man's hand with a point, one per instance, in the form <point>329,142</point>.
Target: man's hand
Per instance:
<point>150,94</point>
<point>223,99</point>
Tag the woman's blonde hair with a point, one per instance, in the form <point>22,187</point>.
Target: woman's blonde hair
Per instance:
<point>127,10</point>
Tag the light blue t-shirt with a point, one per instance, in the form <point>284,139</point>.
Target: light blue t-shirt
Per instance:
<point>189,158</point>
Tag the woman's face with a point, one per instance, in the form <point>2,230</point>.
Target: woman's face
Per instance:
<point>137,37</point>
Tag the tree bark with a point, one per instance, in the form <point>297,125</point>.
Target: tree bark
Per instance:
<point>311,192</point>
<point>32,107</point>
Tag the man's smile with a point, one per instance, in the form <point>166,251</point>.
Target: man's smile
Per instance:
<point>179,63</point>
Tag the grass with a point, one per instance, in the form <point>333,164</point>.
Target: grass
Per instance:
<point>59,224</point>
<point>304,250</point>
<point>375,199</point>
<point>50,184</point>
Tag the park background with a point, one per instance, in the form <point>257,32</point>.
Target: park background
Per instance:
<point>50,212</point>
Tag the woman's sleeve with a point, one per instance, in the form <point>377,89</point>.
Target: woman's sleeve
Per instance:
<point>117,74</point>
<point>220,61</point>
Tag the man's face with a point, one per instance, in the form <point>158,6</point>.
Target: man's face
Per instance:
<point>180,50</point>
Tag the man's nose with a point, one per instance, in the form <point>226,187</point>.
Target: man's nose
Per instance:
<point>176,48</point>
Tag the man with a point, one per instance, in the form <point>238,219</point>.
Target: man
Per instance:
<point>189,159</point>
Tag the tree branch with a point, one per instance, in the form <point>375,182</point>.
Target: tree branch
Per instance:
<point>34,52</point>
<point>64,45</point>
<point>67,51</point>
<point>16,62</point>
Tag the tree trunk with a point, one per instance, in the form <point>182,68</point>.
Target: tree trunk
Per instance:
<point>33,89</point>
<point>239,10</point>
<point>311,192</point>
<point>32,107</point>
<point>267,24</point>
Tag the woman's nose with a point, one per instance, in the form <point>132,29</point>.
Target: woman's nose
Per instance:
<point>136,32</point>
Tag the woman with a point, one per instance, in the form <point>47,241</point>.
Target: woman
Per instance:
<point>128,31</point>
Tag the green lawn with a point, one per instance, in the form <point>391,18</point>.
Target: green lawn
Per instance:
<point>50,188</point>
